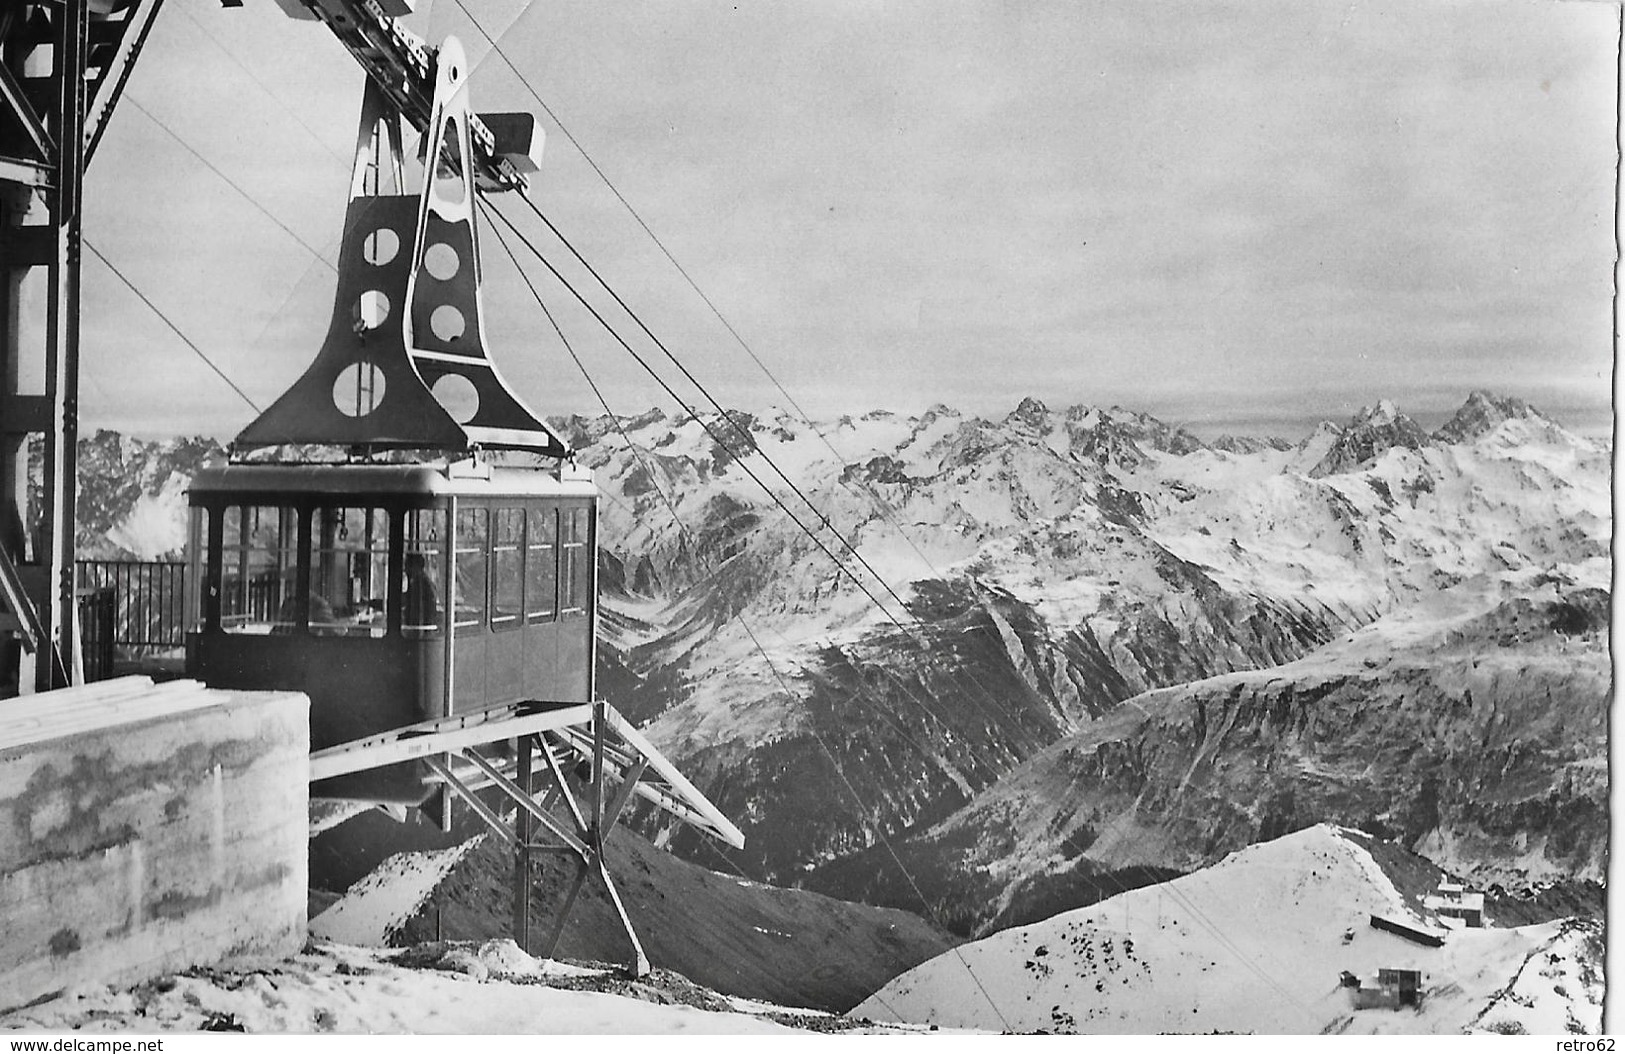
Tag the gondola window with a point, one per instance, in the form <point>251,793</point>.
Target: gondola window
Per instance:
<point>471,566</point>
<point>349,571</point>
<point>258,569</point>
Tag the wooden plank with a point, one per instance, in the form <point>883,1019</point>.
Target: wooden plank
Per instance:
<point>526,803</point>
<point>680,797</point>
<point>563,786</point>
<point>492,820</point>
<point>523,823</point>
<point>640,961</point>
<point>681,787</point>
<point>438,737</point>
<point>629,783</point>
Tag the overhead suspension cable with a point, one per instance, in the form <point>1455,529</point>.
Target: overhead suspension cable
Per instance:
<point>1191,907</point>
<point>671,507</point>
<point>761,650</point>
<point>908,630</point>
<point>229,181</point>
<point>989,696</point>
<point>496,47</point>
<point>918,625</point>
<point>274,95</point>
<point>777,500</point>
<point>737,427</point>
<point>637,217</point>
<point>155,309</point>
<point>1195,912</point>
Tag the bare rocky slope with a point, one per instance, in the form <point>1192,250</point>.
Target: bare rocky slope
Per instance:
<point>1475,731</point>
<point>791,947</point>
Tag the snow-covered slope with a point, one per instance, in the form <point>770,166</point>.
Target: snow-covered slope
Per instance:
<point>470,989</point>
<point>1255,943</point>
<point>376,908</point>
<point>132,494</point>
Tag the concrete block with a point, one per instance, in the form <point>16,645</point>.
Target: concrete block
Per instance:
<point>146,846</point>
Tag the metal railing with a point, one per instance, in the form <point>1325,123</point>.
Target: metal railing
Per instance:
<point>98,617</point>
<point>257,598</point>
<point>149,603</point>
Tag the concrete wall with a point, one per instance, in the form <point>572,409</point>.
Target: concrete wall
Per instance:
<point>151,845</point>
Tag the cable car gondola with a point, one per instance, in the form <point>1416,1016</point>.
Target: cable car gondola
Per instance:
<point>366,545</point>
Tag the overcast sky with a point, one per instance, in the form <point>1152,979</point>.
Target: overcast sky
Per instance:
<point>1240,217</point>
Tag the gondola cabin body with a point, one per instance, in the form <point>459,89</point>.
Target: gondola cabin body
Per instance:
<point>393,595</point>
<point>364,546</point>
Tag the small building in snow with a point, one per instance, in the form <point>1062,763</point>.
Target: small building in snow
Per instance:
<point>1388,990</point>
<point>1409,930</point>
<point>1457,905</point>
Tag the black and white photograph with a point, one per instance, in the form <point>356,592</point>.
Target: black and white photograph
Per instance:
<point>932,518</point>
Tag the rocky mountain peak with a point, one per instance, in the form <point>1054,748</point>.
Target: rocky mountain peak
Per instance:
<point>1100,436</point>
<point>1383,414</point>
<point>1030,412</point>
<point>1147,432</point>
<point>1482,412</point>
<point>1232,444</point>
<point>1371,432</point>
<point>651,416</point>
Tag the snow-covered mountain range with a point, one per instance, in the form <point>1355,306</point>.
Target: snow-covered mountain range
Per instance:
<point>1083,649</point>
<point>1413,598</point>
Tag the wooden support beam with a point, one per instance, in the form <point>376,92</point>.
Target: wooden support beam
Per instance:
<point>564,910</point>
<point>597,793</point>
<point>483,811</point>
<point>623,793</point>
<point>526,802</point>
<point>522,827</point>
<point>640,961</point>
<point>563,785</point>
<point>440,736</point>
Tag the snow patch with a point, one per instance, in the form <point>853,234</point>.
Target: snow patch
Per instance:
<point>376,907</point>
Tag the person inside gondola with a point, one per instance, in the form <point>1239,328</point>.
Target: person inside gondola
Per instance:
<point>420,600</point>
<point>287,618</point>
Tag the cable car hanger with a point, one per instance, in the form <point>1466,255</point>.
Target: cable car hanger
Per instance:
<point>404,365</point>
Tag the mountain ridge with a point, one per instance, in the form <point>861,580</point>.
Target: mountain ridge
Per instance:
<point>1048,567</point>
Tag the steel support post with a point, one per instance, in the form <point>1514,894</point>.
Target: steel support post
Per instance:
<point>62,349</point>
<point>43,55</point>
<point>523,828</point>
